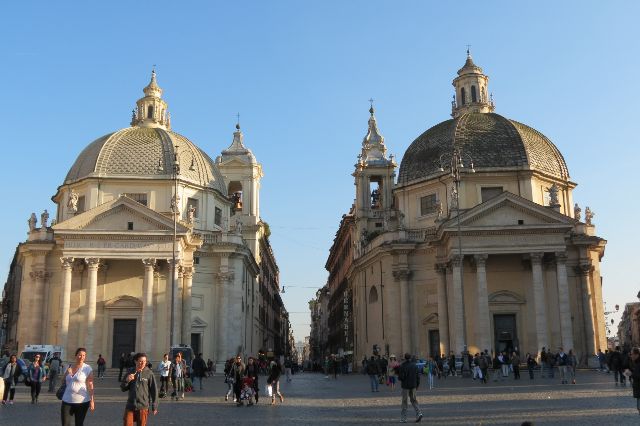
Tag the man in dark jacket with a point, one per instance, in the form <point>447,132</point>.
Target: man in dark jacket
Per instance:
<point>198,370</point>
<point>373,369</point>
<point>143,392</point>
<point>409,376</point>
<point>616,365</point>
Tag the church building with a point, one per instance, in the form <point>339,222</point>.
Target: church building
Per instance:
<point>153,244</point>
<point>473,243</point>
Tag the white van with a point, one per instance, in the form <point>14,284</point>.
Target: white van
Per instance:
<point>46,352</point>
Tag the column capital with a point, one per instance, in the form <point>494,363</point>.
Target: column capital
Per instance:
<point>187,272</point>
<point>40,275</point>
<point>481,259</point>
<point>441,267</point>
<point>561,256</point>
<point>401,274</point>
<point>92,262</point>
<point>225,277</point>
<point>456,260</point>
<point>149,262</point>
<point>536,257</point>
<point>584,268</point>
<point>67,262</point>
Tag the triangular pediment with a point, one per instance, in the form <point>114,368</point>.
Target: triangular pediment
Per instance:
<point>508,209</point>
<point>116,215</point>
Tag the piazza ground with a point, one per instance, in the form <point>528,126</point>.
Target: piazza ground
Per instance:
<point>310,399</point>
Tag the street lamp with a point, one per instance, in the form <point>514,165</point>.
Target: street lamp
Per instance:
<point>174,209</point>
<point>607,313</point>
<point>456,167</point>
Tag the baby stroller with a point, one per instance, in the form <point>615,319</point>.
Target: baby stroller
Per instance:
<point>247,393</point>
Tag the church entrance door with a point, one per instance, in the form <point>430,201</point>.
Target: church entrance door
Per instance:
<point>505,332</point>
<point>124,339</point>
<point>434,343</point>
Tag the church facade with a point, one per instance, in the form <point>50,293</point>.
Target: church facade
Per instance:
<point>474,242</point>
<point>153,244</point>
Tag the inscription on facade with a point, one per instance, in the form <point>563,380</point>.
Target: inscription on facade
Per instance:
<point>116,245</point>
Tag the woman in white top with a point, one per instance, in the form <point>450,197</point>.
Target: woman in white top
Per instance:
<point>78,396</point>
<point>163,369</point>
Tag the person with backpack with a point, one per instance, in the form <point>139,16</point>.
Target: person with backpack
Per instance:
<point>409,377</point>
<point>102,366</point>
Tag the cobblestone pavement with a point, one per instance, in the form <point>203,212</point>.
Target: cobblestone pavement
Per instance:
<point>310,399</point>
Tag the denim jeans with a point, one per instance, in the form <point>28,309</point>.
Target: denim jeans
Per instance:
<point>374,382</point>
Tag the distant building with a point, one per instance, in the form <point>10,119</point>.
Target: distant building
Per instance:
<point>629,326</point>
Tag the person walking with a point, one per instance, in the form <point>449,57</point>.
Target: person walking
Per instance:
<point>392,373</point>
<point>252,371</point>
<point>143,392</point>
<point>551,362</point>
<point>122,363</point>
<point>432,370</point>
<point>616,365</point>
<point>54,370</point>
<point>237,373</point>
<point>561,359</point>
<point>484,361</point>
<point>198,370</point>
<point>409,377</point>
<point>78,394</point>
<point>531,364</point>
<point>504,364</point>
<point>373,371</point>
<point>452,363</point>
<point>164,367</point>
<point>36,375</point>
<point>572,363</point>
<point>102,366</point>
<point>178,372</point>
<point>228,379</point>
<point>12,372</point>
<point>634,373</point>
<point>515,365</point>
<point>287,369</point>
<point>274,381</point>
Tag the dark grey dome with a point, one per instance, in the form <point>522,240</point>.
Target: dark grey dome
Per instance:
<point>491,140</point>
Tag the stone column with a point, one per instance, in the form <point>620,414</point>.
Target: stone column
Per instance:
<point>443,314</point>
<point>539,300</point>
<point>147,306</point>
<point>187,281</point>
<point>65,303</point>
<point>402,277</point>
<point>584,270</point>
<point>36,305</point>
<point>483,339</point>
<point>456,301</point>
<point>225,278</point>
<point>92,292</point>
<point>566,328</point>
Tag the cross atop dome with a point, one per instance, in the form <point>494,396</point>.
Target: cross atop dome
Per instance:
<point>151,110</point>
<point>471,90</point>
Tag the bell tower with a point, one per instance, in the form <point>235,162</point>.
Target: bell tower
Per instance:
<point>151,110</point>
<point>374,179</point>
<point>471,90</point>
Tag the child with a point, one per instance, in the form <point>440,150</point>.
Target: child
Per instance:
<point>247,392</point>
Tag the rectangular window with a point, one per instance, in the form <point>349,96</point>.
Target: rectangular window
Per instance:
<point>140,197</point>
<point>490,192</point>
<point>80,204</point>
<point>428,204</point>
<point>217,219</point>
<point>193,202</point>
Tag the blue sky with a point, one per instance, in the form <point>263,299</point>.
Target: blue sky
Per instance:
<point>300,74</point>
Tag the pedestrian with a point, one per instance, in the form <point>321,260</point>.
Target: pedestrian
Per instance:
<point>572,363</point>
<point>209,367</point>
<point>504,364</point>
<point>237,372</point>
<point>634,373</point>
<point>178,372</point>
<point>432,370</point>
<point>198,370</point>
<point>483,363</point>
<point>143,392</point>
<point>561,359</point>
<point>616,365</point>
<point>515,365</point>
<point>373,371</point>
<point>393,372</point>
<point>274,381</point>
<point>121,364</point>
<point>531,364</point>
<point>36,375</point>
<point>544,366</point>
<point>78,394</point>
<point>252,371</point>
<point>228,379</point>
<point>55,364</point>
<point>552,362</point>
<point>409,377</point>
<point>12,372</point>
<point>102,366</point>
<point>164,367</point>
<point>287,369</point>
<point>452,363</point>
<point>601,360</point>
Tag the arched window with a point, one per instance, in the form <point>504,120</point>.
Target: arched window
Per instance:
<point>373,295</point>
<point>474,97</point>
<point>463,96</point>
<point>150,111</point>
